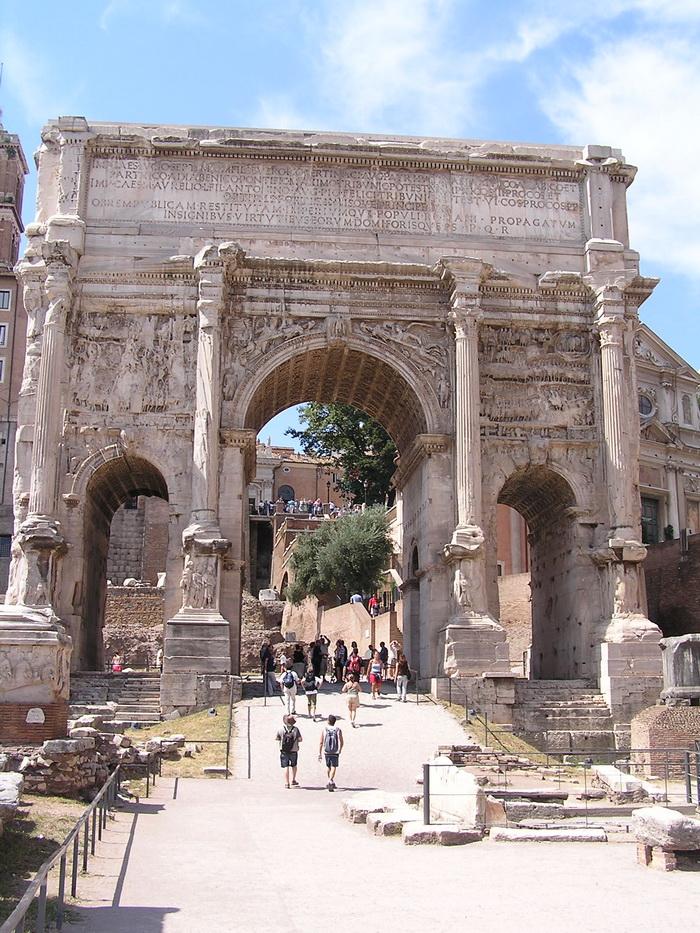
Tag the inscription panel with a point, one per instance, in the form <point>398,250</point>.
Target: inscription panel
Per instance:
<point>246,193</point>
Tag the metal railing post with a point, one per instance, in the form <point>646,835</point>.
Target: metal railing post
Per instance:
<point>86,834</point>
<point>61,891</point>
<point>41,909</point>
<point>697,772</point>
<point>486,728</point>
<point>74,866</point>
<point>688,783</point>
<point>426,794</point>
<point>94,833</point>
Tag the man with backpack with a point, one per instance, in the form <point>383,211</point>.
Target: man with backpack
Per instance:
<point>289,738</point>
<point>331,745</point>
<point>354,663</point>
<point>289,681</point>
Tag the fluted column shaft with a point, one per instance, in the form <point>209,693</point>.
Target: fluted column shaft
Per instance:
<point>465,319</point>
<point>205,460</point>
<point>611,324</point>
<point>47,422</point>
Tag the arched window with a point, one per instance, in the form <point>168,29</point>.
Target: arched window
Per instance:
<point>286,493</point>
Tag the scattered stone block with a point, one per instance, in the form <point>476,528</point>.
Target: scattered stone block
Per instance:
<point>83,732</point>
<point>521,834</point>
<point>667,829</point>
<point>390,823</point>
<point>66,746</point>
<point>440,834</point>
<point>359,806</point>
<point>11,786</point>
<point>517,810</point>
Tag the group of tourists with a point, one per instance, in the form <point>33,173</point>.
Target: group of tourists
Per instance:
<point>314,508</point>
<point>330,745</point>
<point>376,665</point>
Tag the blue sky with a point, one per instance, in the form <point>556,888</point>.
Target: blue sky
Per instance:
<point>618,72</point>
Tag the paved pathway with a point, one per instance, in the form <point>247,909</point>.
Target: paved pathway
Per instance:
<point>251,855</point>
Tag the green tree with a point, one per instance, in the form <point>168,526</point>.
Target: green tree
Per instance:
<point>344,556</point>
<point>361,448</point>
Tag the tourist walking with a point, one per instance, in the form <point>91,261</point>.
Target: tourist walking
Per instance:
<point>299,660</point>
<point>374,675</point>
<point>289,738</point>
<point>289,681</point>
<point>331,745</point>
<point>384,655</point>
<point>267,668</point>
<point>340,658</point>
<point>354,665</point>
<point>311,683</point>
<point>394,651</point>
<point>325,645</point>
<point>403,672</point>
<point>316,656</point>
<point>353,688</point>
<point>373,606</point>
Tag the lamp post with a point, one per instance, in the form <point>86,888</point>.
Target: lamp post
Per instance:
<point>328,487</point>
<point>365,484</point>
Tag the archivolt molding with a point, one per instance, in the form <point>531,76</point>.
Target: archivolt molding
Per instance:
<point>88,467</point>
<point>246,377</point>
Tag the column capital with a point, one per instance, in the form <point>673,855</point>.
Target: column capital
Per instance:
<point>465,318</point>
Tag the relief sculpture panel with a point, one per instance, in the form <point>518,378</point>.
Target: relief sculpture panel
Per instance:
<point>536,378</point>
<point>133,364</point>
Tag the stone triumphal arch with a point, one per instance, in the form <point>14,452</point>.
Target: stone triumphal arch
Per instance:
<point>183,285</point>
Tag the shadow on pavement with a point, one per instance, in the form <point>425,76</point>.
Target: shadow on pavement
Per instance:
<point>122,919</point>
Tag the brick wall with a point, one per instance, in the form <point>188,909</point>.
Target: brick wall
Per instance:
<point>134,620</point>
<point>15,728</point>
<point>664,727</point>
<point>673,586</point>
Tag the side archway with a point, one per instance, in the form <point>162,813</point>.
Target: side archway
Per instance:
<point>110,485</point>
<point>562,576</point>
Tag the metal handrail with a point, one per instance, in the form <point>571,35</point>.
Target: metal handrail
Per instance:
<point>104,801</point>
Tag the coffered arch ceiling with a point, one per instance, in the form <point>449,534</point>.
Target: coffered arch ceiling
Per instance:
<point>341,374</point>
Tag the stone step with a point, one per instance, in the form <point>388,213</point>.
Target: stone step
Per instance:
<point>512,834</point>
<point>440,834</point>
<point>565,741</point>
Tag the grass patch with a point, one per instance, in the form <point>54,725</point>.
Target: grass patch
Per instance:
<point>195,727</point>
<point>41,826</point>
<point>500,741</point>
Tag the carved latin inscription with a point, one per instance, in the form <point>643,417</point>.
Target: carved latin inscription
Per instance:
<point>245,193</point>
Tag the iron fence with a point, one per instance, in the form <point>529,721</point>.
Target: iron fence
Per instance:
<point>89,826</point>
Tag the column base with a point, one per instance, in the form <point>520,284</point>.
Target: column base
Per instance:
<point>34,674</point>
<point>473,645</point>
<point>197,641</point>
<point>630,665</point>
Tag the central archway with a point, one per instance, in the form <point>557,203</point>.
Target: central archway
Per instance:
<point>341,374</point>
<point>394,391</point>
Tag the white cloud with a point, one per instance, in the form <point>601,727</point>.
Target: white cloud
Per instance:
<point>643,94</point>
<point>278,111</point>
<point>387,62</point>
<point>27,79</point>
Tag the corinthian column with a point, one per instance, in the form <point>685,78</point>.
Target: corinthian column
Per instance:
<point>610,320</point>
<point>473,641</point>
<point>39,540</point>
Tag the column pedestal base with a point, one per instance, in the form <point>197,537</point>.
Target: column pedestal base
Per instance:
<point>197,645</point>
<point>630,665</point>
<point>34,674</point>
<point>470,646</point>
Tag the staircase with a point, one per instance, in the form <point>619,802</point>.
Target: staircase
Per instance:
<point>563,716</point>
<point>137,696</point>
